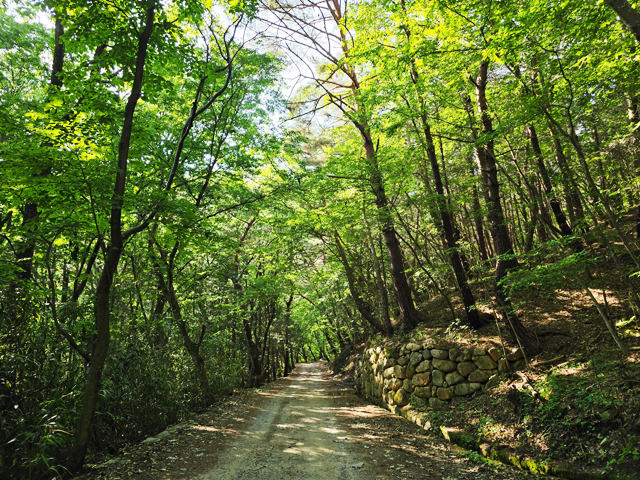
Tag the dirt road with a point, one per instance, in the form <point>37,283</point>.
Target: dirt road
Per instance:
<point>305,427</point>
<point>297,436</point>
<point>314,429</point>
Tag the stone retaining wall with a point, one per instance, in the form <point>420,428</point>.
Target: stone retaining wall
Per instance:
<point>430,372</point>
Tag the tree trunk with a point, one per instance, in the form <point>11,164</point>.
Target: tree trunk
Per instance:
<point>628,15</point>
<point>102,306</point>
<point>477,218</point>
<point>410,316</point>
<point>556,207</point>
<point>570,186</point>
<point>255,366</point>
<point>472,317</point>
<point>363,307</point>
<point>504,250</point>
<point>288,351</point>
<point>382,288</point>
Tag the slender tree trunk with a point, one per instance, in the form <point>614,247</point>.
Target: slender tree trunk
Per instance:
<point>288,351</point>
<point>25,248</point>
<point>102,309</point>
<point>569,182</point>
<point>472,317</point>
<point>363,307</point>
<point>556,207</point>
<point>410,316</point>
<point>504,250</point>
<point>193,348</point>
<point>477,218</point>
<point>382,287</point>
<point>255,367</point>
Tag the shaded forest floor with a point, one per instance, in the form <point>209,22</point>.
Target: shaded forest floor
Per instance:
<point>577,404</point>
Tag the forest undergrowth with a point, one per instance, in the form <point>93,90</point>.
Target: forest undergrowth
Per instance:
<point>577,404</point>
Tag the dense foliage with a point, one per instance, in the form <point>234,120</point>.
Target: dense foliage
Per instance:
<point>166,237</point>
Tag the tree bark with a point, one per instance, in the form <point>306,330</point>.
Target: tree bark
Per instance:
<point>556,207</point>
<point>472,317</point>
<point>102,310</point>
<point>627,14</point>
<point>504,250</point>
<point>288,351</point>
<point>385,320</point>
<point>363,307</point>
<point>410,316</point>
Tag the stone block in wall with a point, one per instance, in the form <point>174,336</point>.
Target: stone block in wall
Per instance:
<point>407,386</point>
<point>479,376</point>
<point>403,360</point>
<point>422,392</point>
<point>421,379</point>
<point>518,365</point>
<point>453,378</point>
<point>437,377</point>
<point>413,347</point>
<point>399,371</point>
<point>424,366</point>
<point>444,365</point>
<point>464,355</point>
<point>453,353</point>
<point>494,353</point>
<point>415,358</point>
<point>389,398</point>
<point>440,354</point>
<point>515,355</point>
<point>463,389</point>
<point>492,382</point>
<point>401,398</point>
<point>484,362</point>
<point>434,390</point>
<point>465,368</point>
<point>388,373</point>
<point>477,352</point>
<point>395,384</point>
<point>390,362</point>
<point>445,393</point>
<point>411,370</point>
<point>426,354</point>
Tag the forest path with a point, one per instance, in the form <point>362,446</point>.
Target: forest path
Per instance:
<point>308,426</point>
<point>314,428</point>
<point>296,437</point>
